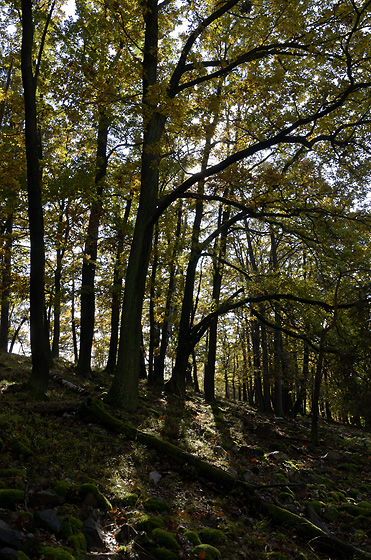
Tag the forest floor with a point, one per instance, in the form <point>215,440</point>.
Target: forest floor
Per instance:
<point>55,456</point>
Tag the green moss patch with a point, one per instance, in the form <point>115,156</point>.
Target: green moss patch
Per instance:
<point>207,552</point>
<point>57,552</point>
<point>212,536</point>
<point>149,523</point>
<point>193,537</point>
<point>9,497</point>
<point>154,504</point>
<point>165,538</point>
<point>164,554</point>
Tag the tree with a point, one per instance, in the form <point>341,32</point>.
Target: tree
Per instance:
<point>38,328</point>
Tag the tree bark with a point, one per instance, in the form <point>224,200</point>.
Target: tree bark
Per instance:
<point>38,329</point>
<point>87,311</point>
<point>124,389</point>
<point>5,284</point>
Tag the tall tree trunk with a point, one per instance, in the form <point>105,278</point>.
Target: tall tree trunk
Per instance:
<point>255,339</point>
<point>73,323</point>
<point>124,388</point>
<point>159,360</point>
<point>38,329</point>
<point>87,311</point>
<point>57,285</point>
<point>118,276</point>
<point>5,284</point>
<point>154,327</point>
<point>220,251</point>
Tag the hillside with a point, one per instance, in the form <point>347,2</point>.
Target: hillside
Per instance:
<point>70,487</point>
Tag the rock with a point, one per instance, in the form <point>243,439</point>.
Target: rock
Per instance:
<point>10,537</point>
<point>94,534</point>
<point>332,455</point>
<point>206,551</point>
<point>155,476</point>
<point>125,534</point>
<point>156,504</point>
<point>277,456</point>
<point>165,538</point>
<point>233,472</point>
<point>46,498</point>
<point>212,536</point>
<point>8,553</point>
<point>9,497</point>
<point>51,520</point>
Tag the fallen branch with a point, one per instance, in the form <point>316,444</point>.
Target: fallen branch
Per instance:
<point>314,536</point>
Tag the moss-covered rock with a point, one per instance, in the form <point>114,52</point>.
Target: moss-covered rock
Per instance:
<point>78,541</point>
<point>22,555</point>
<point>70,525</point>
<point>148,523</point>
<point>207,552</point>
<point>21,449</point>
<point>192,536</point>
<point>9,497</point>
<point>130,499</point>
<point>57,552</point>
<point>155,504</point>
<point>12,473</point>
<point>355,510</point>
<point>63,488</point>
<point>331,514</point>
<point>165,538</point>
<point>164,554</point>
<point>212,536</point>
<point>88,488</point>
<point>316,505</point>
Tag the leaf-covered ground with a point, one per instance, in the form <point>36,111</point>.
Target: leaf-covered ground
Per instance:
<point>45,443</point>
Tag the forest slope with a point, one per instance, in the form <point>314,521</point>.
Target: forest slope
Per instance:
<point>54,446</point>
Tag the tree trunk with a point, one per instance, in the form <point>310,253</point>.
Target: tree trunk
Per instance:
<point>87,311</point>
<point>159,361</point>
<point>5,284</point>
<point>124,388</point>
<point>118,276</point>
<point>38,329</point>
<point>209,377</point>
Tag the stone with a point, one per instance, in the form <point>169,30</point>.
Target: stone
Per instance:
<point>94,534</point>
<point>46,498</point>
<point>125,534</point>
<point>155,476</point>
<point>10,537</point>
<point>51,520</point>
<point>8,553</point>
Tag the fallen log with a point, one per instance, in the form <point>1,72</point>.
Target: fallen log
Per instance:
<point>316,538</point>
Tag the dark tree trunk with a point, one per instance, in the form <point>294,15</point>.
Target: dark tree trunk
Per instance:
<point>73,322</point>
<point>154,329</point>
<point>5,284</point>
<point>38,329</point>
<point>87,311</point>
<point>124,389</point>
<point>118,276</point>
<point>220,251</point>
<point>159,360</point>
<point>255,338</point>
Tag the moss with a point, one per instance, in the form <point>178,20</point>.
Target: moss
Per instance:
<point>281,477</point>
<point>89,488</point>
<point>361,522</point>
<point>365,504</point>
<point>164,554</point>
<point>165,538</point>
<point>336,496</point>
<point>57,552</point>
<point>130,499</point>
<point>154,504</point>
<point>277,555</point>
<point>149,523</point>
<point>63,488</point>
<point>348,467</point>
<point>356,510</point>
<point>331,514</point>
<point>10,497</point>
<point>12,473</point>
<point>192,536</point>
<point>207,552</point>
<point>212,536</point>
<point>22,556</point>
<point>286,497</point>
<point>21,449</point>
<point>78,541</point>
<point>70,525</point>
<point>316,505</point>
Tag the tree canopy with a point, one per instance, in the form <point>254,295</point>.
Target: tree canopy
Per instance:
<point>190,200</point>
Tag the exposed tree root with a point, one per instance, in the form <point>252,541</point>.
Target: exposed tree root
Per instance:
<point>316,538</point>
